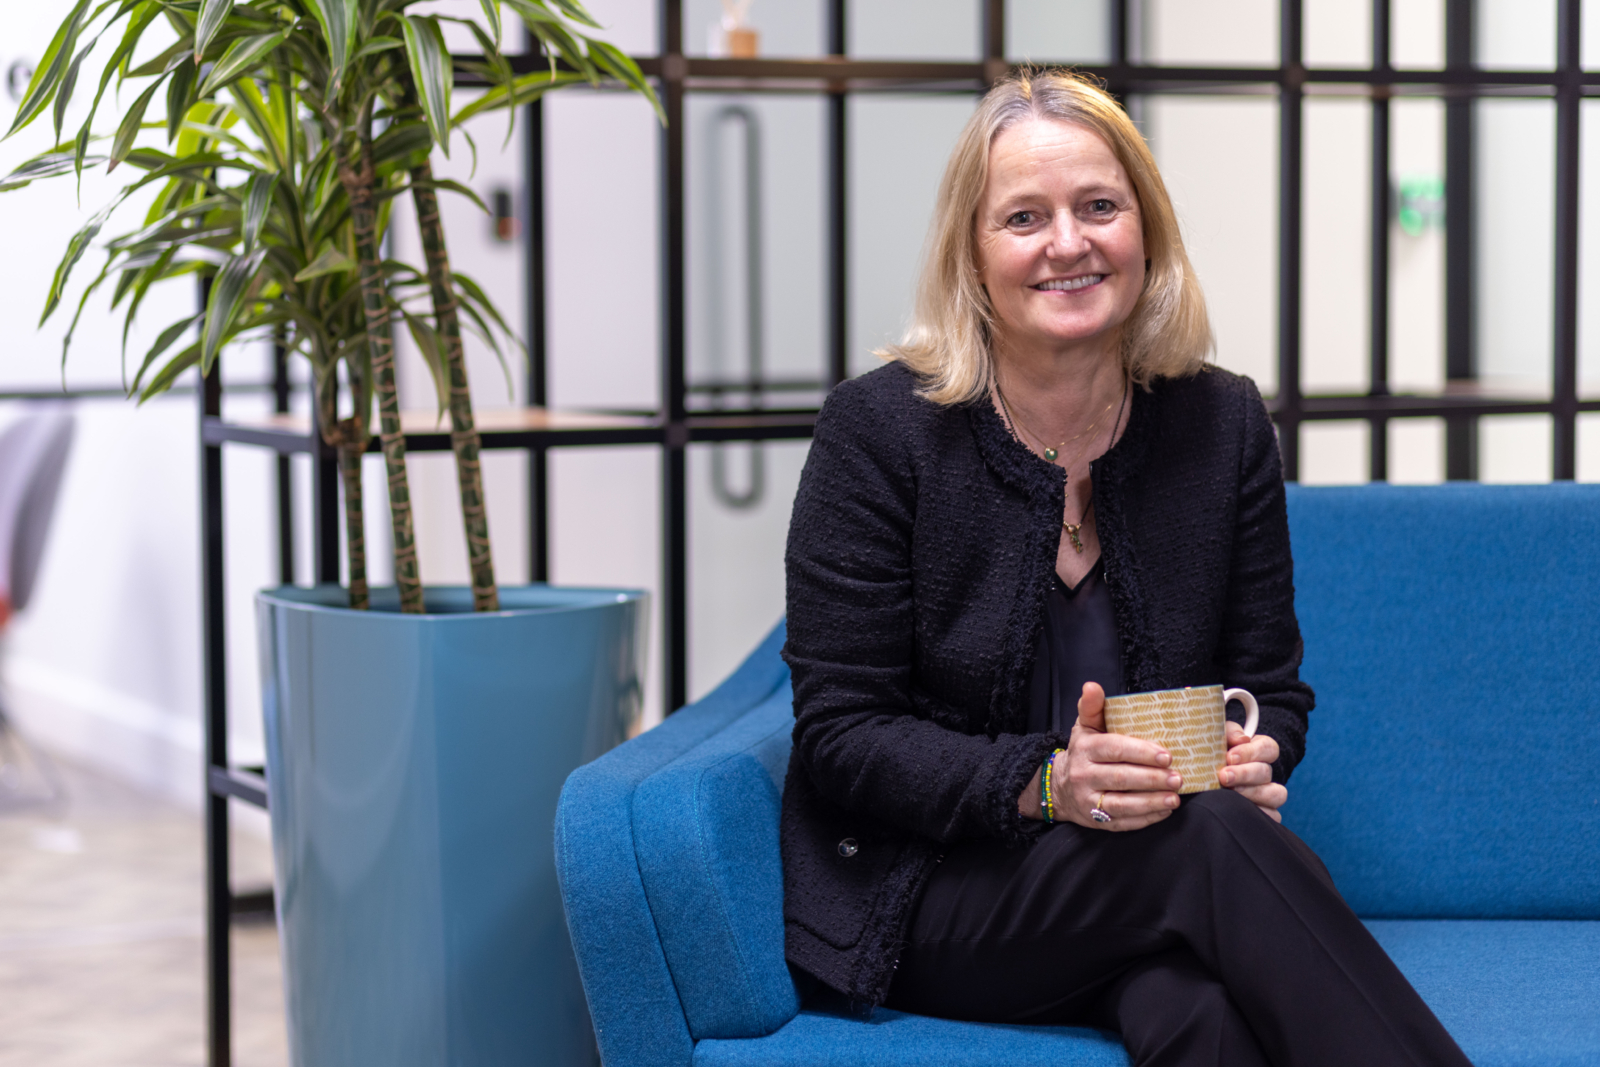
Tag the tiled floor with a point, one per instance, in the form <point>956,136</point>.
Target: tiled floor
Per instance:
<point>101,943</point>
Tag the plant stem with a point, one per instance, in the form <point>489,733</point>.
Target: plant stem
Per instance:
<point>354,523</point>
<point>350,438</point>
<point>464,440</point>
<point>359,178</point>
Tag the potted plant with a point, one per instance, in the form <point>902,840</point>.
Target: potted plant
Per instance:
<point>414,755</point>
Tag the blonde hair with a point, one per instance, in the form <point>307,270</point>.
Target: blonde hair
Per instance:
<point>1167,335</point>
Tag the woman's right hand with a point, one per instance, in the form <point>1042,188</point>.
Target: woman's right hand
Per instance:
<point>1125,777</point>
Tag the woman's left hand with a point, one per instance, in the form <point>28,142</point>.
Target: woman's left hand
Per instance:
<point>1248,770</point>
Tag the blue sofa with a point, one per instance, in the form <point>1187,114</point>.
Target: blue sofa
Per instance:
<point>1452,785</point>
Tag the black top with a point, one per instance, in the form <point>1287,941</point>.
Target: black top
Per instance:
<point>1077,644</point>
<point>921,554</point>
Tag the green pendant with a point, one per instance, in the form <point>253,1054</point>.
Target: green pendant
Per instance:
<point>1050,454</point>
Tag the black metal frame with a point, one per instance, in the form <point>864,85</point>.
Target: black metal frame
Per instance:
<point>675,426</point>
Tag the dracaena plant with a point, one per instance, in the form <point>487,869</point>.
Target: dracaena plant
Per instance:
<point>291,127</point>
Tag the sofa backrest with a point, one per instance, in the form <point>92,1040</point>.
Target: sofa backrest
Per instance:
<point>1453,760</point>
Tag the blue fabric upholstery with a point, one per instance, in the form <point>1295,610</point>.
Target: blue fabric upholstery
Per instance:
<point>632,999</point>
<point>1512,994</point>
<point>1450,634</point>
<point>705,830</point>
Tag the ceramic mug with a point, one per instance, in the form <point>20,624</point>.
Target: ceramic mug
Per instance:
<point>1189,723</point>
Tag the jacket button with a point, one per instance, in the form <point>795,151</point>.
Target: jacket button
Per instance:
<point>848,847</point>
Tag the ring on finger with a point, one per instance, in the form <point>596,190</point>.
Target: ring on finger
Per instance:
<point>1099,813</point>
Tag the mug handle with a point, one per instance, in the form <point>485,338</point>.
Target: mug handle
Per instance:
<point>1252,713</point>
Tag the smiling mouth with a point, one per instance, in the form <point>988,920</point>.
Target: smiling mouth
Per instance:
<point>1070,284</point>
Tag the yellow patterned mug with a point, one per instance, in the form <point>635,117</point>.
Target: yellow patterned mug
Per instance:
<point>1189,723</point>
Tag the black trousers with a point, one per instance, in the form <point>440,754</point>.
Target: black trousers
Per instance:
<point>1215,937</point>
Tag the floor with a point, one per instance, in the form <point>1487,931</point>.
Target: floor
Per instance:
<point>101,938</point>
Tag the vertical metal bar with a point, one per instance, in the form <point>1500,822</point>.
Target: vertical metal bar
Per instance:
<point>1120,29</point>
<point>674,475</point>
<point>1290,129</point>
<point>324,504</point>
<point>538,376</point>
<point>838,206</point>
<point>284,475</point>
<point>1569,101</point>
<point>1378,270</point>
<point>1460,356</point>
<point>994,40</point>
<point>215,682</point>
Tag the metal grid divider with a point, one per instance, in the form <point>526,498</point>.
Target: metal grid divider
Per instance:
<point>836,77</point>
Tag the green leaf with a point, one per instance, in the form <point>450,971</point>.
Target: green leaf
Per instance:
<point>45,166</point>
<point>427,339</point>
<point>491,11</point>
<point>51,70</point>
<point>461,190</point>
<point>227,293</point>
<point>132,122</point>
<point>183,79</point>
<point>400,142</point>
<point>163,342</point>
<point>376,45</point>
<point>431,73</point>
<point>525,90</point>
<point>75,250</point>
<point>161,63</point>
<point>616,63</point>
<point>338,21</point>
<point>69,82</point>
<point>577,13</point>
<point>333,261</point>
<point>257,200</point>
<point>169,374</point>
<point>240,58</point>
<point>212,14</point>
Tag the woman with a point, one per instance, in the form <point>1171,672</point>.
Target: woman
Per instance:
<point>1044,498</point>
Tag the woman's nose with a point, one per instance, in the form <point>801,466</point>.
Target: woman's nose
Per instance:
<point>1067,239</point>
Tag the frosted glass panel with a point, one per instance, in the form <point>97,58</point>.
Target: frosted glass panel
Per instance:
<point>1417,33</point>
<point>786,27</point>
<point>1219,159</point>
<point>898,148</point>
<point>1589,249</point>
<point>1209,32</point>
<point>1515,249</point>
<point>1416,451</point>
<point>1516,34</point>
<point>1416,249</point>
<point>784,296</point>
<point>1334,453</point>
<point>1058,31</point>
<point>1338,33</point>
<point>1335,252</point>
<point>738,525</point>
<point>1514,448</point>
<point>1589,447</point>
<point>915,29</point>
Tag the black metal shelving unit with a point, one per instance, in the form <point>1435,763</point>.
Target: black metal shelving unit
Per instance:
<point>835,77</point>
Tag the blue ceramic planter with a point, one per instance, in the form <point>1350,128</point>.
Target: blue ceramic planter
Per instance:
<point>413,765</point>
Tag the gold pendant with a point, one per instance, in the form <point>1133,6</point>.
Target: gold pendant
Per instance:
<point>1072,535</point>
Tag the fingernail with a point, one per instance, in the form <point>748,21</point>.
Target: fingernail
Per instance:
<point>1174,780</point>
<point>1172,801</point>
<point>1227,777</point>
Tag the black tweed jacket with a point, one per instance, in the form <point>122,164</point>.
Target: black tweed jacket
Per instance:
<point>920,554</point>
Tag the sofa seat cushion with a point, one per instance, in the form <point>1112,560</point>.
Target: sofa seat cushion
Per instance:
<point>1513,993</point>
<point>894,1039</point>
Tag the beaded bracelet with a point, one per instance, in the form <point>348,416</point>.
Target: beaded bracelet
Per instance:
<point>1046,801</point>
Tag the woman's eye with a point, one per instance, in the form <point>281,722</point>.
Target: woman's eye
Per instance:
<point>1020,218</point>
<point>1101,207</point>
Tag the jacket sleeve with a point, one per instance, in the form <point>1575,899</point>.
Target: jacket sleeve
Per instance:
<point>859,736</point>
<point>1260,648</point>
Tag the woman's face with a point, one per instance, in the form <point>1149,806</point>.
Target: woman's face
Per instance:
<point>1060,241</point>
